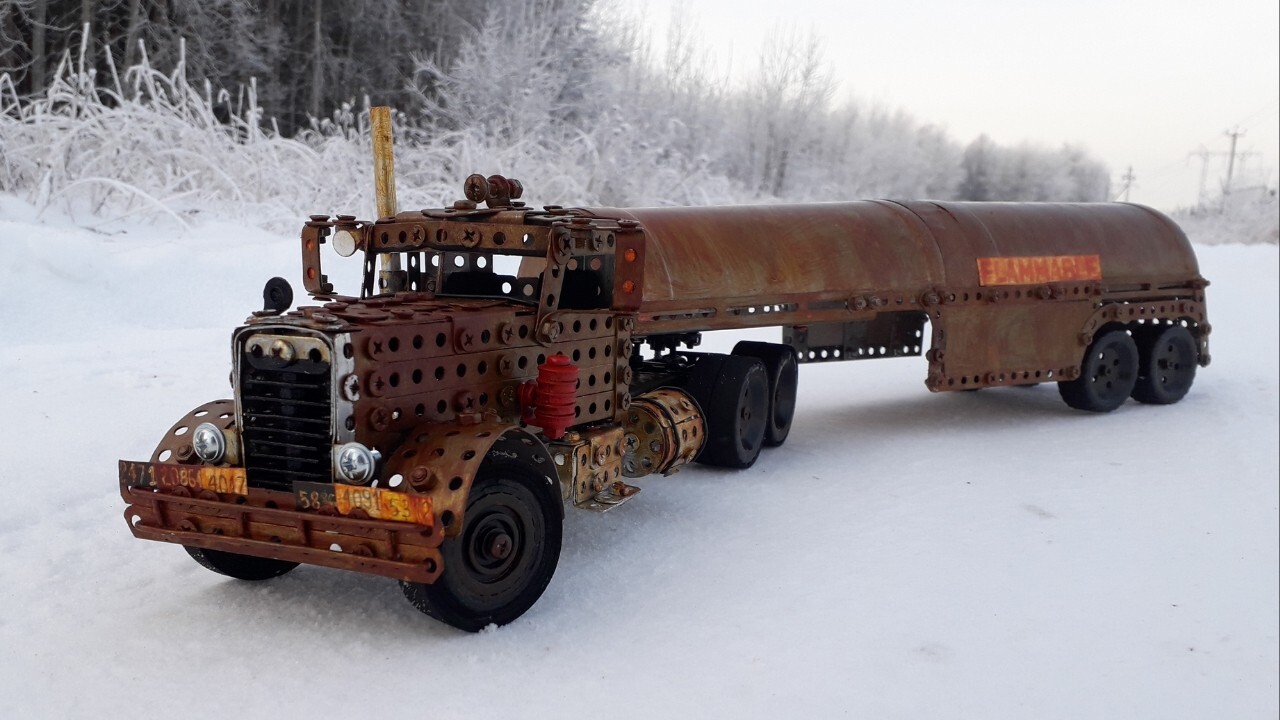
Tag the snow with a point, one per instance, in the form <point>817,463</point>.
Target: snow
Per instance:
<point>905,555</point>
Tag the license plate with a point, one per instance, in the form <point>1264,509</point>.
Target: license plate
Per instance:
<point>198,477</point>
<point>376,502</point>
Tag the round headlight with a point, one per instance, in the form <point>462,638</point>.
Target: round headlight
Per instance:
<point>356,463</point>
<point>209,443</point>
<point>345,243</point>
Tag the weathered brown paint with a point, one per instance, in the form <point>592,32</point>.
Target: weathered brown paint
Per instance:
<point>269,524</point>
<point>432,379</point>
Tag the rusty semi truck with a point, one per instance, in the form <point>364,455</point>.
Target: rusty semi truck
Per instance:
<point>501,362</point>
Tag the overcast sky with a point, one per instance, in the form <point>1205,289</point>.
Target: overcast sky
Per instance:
<point>1142,83</point>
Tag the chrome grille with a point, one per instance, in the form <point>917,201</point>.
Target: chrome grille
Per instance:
<point>286,414</point>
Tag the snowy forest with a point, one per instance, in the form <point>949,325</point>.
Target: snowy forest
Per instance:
<point>161,107</point>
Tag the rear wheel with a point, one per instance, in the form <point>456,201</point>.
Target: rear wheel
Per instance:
<point>497,567</point>
<point>782,368</point>
<point>1167,359</point>
<point>733,392</point>
<point>240,567</point>
<point>1107,374</point>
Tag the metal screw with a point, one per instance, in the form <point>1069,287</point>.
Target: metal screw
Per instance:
<point>507,333</point>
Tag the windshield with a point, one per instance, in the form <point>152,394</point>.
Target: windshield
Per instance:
<point>456,274</point>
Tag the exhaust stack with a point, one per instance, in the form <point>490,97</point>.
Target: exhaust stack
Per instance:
<point>384,184</point>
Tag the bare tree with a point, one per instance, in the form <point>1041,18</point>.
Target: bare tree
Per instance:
<point>792,86</point>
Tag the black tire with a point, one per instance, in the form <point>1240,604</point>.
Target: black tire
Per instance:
<point>497,567</point>
<point>240,567</point>
<point>733,393</point>
<point>783,371</point>
<point>1167,359</point>
<point>1107,374</point>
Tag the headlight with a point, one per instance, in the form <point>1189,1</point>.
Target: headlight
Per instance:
<point>345,243</point>
<point>356,462</point>
<point>209,443</point>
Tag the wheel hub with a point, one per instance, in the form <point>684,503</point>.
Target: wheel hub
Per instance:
<point>500,546</point>
<point>493,546</point>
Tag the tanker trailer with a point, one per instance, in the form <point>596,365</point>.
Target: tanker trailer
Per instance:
<point>1014,293</point>
<point>500,362</point>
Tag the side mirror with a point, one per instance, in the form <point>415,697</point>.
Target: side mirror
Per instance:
<point>277,296</point>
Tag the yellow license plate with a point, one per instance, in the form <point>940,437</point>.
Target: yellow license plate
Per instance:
<point>375,502</point>
<point>200,477</point>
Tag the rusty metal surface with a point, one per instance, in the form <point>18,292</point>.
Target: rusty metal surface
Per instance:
<point>848,264</point>
<point>588,462</point>
<point>665,430</point>
<point>754,258</point>
<point>189,479</point>
<point>726,267</point>
<point>176,447</point>
<point>425,364</point>
<point>440,460</point>
<point>267,524</point>
<point>358,501</point>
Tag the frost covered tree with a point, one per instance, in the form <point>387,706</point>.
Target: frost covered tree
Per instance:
<point>307,57</point>
<point>781,109</point>
<point>1030,173</point>
<point>560,93</point>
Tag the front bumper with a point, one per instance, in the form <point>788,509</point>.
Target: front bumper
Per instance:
<point>267,523</point>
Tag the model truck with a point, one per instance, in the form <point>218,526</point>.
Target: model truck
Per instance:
<point>501,362</point>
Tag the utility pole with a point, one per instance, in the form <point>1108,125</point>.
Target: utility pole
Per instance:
<point>1235,134</point>
<point>1128,179</point>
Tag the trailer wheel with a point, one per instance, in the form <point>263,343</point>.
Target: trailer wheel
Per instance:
<point>781,366</point>
<point>240,567</point>
<point>1167,359</point>
<point>733,392</point>
<point>1107,375</point>
<point>497,567</point>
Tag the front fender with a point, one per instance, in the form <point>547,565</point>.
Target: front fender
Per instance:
<point>441,460</point>
<point>175,447</point>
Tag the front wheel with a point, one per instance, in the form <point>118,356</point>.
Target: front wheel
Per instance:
<point>497,567</point>
<point>240,567</point>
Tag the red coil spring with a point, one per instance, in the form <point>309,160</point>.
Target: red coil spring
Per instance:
<point>550,401</point>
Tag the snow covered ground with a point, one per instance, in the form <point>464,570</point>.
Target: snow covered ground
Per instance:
<point>905,555</point>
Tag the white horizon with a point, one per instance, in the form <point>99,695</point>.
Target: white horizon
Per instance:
<point>1145,85</point>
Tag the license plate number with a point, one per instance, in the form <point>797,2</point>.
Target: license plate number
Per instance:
<point>375,502</point>
<point>193,477</point>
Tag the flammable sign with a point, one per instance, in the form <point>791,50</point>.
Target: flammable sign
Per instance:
<point>1038,269</point>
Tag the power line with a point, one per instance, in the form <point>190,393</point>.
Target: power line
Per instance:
<point>1272,106</point>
